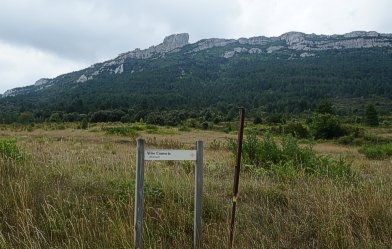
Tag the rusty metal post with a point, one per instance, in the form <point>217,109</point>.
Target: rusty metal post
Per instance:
<point>237,175</point>
<point>197,242</point>
<point>139,194</point>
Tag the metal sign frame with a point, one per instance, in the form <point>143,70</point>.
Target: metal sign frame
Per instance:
<point>139,188</point>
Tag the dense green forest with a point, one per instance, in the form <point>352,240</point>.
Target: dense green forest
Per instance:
<point>173,88</point>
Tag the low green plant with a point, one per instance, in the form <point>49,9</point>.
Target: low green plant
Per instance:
<point>359,136</point>
<point>287,158</point>
<point>184,128</point>
<point>9,150</point>
<point>121,131</point>
<point>215,144</point>
<point>377,152</point>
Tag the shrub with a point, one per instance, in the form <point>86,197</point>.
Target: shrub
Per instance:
<point>326,126</point>
<point>325,107</point>
<point>296,129</point>
<point>380,151</point>
<point>84,124</point>
<point>9,150</point>
<point>257,120</point>
<point>371,115</point>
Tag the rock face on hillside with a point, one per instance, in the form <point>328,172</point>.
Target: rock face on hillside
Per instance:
<point>356,39</point>
<point>11,92</point>
<point>170,43</point>
<point>210,43</point>
<point>42,81</point>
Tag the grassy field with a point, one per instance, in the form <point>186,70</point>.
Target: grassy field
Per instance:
<point>74,188</point>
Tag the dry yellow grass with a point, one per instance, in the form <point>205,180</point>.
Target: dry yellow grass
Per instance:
<point>75,190</point>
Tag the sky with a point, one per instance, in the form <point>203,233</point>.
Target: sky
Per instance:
<point>46,38</point>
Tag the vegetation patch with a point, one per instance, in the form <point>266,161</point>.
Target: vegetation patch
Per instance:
<point>287,158</point>
<point>377,152</point>
<point>121,131</point>
<point>9,150</point>
<point>356,135</point>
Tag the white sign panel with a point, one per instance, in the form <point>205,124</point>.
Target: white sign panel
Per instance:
<point>170,155</point>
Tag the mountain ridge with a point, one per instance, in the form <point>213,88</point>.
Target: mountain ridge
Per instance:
<point>293,40</point>
<point>177,80</point>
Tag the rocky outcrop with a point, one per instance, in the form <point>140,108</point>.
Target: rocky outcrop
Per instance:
<point>306,54</point>
<point>119,69</point>
<point>305,42</point>
<point>231,53</point>
<point>10,93</point>
<point>361,34</point>
<point>258,40</point>
<point>42,81</point>
<point>356,39</point>
<point>210,43</point>
<point>172,42</point>
<point>169,43</point>
<point>255,51</point>
<point>83,78</point>
<point>116,66</point>
<point>274,48</point>
<point>293,37</point>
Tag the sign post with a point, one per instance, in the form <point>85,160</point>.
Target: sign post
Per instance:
<point>168,155</point>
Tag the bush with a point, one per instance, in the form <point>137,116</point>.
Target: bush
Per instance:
<point>326,126</point>
<point>10,151</point>
<point>380,151</point>
<point>371,115</point>
<point>84,124</point>
<point>296,129</point>
<point>257,120</point>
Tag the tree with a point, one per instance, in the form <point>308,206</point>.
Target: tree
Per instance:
<point>84,124</point>
<point>257,120</point>
<point>325,107</point>
<point>371,115</point>
<point>55,117</point>
<point>326,126</point>
<point>26,117</point>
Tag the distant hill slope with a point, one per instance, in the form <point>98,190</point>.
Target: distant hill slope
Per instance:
<point>289,73</point>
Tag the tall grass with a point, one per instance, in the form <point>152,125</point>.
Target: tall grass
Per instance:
<point>76,193</point>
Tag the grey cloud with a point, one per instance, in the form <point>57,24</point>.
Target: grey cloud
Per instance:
<point>98,29</point>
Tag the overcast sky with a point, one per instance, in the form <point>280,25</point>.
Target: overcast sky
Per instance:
<point>45,38</point>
